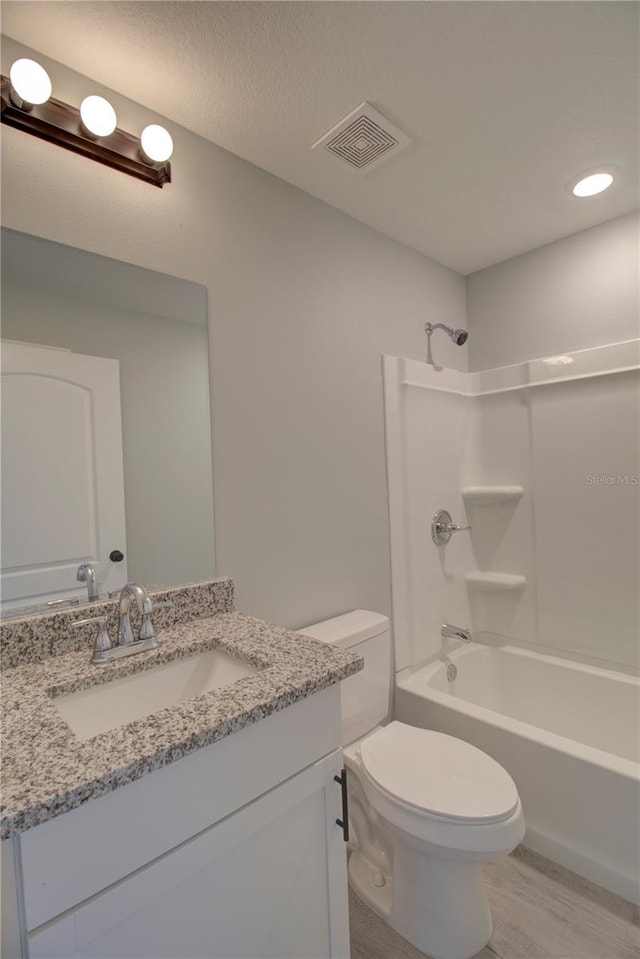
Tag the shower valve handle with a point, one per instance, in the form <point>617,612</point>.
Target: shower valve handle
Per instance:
<point>443,527</point>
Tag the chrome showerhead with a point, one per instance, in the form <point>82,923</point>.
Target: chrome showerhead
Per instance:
<point>458,336</point>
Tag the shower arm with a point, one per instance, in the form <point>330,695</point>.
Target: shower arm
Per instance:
<point>458,336</point>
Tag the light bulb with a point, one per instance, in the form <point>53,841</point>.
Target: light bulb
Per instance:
<point>156,142</point>
<point>592,184</point>
<point>98,116</point>
<point>30,82</point>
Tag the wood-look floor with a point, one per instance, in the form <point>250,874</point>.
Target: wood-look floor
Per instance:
<point>540,911</point>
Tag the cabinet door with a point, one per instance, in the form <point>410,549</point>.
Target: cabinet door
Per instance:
<point>269,882</point>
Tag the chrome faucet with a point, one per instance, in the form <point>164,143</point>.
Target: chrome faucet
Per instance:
<point>87,574</point>
<point>455,632</point>
<point>104,650</point>
<point>145,606</point>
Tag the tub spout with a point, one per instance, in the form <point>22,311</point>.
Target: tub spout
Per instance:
<point>455,632</point>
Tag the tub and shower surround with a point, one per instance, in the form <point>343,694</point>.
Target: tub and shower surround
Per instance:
<point>541,459</point>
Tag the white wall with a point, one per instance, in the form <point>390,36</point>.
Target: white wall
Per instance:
<point>303,301</point>
<point>574,294</point>
<point>502,538</point>
<point>438,429</point>
<point>585,479</point>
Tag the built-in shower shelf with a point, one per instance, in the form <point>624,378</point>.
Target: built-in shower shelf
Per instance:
<point>494,581</point>
<point>492,495</point>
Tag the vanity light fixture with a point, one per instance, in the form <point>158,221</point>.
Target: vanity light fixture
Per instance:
<point>591,182</point>
<point>98,117</point>
<point>27,105</point>
<point>29,84</point>
<point>156,143</point>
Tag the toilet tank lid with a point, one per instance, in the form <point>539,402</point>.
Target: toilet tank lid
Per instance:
<point>348,629</point>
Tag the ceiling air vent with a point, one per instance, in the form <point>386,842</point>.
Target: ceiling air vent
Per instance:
<point>364,139</point>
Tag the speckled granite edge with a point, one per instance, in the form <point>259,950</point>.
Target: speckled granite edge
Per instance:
<point>35,637</point>
<point>47,770</point>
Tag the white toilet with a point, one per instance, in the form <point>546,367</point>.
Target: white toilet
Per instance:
<point>426,810</point>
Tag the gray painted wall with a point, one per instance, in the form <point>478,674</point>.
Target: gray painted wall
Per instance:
<point>570,295</point>
<point>303,300</point>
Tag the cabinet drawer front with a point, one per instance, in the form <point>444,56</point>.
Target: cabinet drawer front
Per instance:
<point>77,855</point>
<point>256,886</point>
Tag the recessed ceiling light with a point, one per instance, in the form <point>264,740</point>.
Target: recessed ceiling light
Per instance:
<point>592,183</point>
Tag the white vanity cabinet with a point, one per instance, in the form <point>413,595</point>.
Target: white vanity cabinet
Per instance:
<point>231,853</point>
<point>256,884</point>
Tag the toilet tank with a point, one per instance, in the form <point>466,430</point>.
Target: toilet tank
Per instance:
<point>366,696</point>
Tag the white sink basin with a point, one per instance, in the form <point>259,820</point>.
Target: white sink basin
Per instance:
<point>101,708</point>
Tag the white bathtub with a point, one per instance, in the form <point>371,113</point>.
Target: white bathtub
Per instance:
<point>569,735</point>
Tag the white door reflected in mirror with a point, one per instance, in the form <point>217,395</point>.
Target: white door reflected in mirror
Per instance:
<point>62,473</point>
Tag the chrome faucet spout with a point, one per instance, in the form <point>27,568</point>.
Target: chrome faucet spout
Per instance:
<point>448,631</point>
<point>145,607</point>
<point>87,574</point>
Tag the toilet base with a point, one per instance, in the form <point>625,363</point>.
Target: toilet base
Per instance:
<point>439,906</point>
<point>363,879</point>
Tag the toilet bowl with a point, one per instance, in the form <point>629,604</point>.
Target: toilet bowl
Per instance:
<point>444,808</point>
<point>426,810</point>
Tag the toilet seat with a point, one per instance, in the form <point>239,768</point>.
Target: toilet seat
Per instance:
<point>438,775</point>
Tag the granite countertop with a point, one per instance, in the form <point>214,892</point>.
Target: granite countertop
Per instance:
<point>47,770</point>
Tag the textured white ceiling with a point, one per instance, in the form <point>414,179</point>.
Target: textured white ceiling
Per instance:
<point>504,101</point>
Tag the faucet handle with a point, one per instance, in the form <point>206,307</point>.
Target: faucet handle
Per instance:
<point>147,630</point>
<point>102,641</point>
<point>146,626</point>
<point>147,606</point>
<point>443,527</point>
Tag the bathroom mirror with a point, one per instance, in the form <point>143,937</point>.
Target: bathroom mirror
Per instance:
<point>155,327</point>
